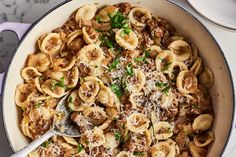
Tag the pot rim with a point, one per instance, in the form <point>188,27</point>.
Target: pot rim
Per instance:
<point>170,2</point>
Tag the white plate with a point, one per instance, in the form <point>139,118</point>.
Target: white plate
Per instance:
<point>218,11</point>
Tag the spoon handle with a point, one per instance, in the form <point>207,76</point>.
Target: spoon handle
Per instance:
<point>34,144</point>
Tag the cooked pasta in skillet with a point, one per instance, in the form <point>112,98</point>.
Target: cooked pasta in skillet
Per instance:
<point>136,86</point>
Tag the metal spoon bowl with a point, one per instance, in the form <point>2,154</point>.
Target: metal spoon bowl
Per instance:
<point>62,126</point>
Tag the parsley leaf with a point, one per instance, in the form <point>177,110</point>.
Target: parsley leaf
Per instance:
<point>166,66</point>
<point>108,43</point>
<point>117,89</point>
<point>129,69</point>
<point>98,19</point>
<point>59,84</point>
<point>140,59</point>
<point>118,20</point>
<point>164,86</point>
<point>80,147</point>
<point>147,53</point>
<point>138,153</point>
<point>114,64</point>
<point>46,143</point>
<point>38,104</point>
<point>117,135</point>
<point>70,100</point>
<point>166,90</point>
<point>127,30</point>
<point>161,84</point>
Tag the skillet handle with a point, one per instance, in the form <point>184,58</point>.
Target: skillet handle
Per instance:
<point>19,29</point>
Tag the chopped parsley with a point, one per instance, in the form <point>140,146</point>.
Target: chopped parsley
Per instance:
<point>38,104</point>
<point>98,19</point>
<point>129,69</point>
<point>46,143</point>
<point>143,59</point>
<point>70,100</point>
<point>138,153</point>
<point>117,135</point>
<point>59,84</point>
<point>166,66</point>
<point>140,59</point>
<point>161,84</point>
<point>147,53</point>
<point>194,106</point>
<point>107,42</point>
<point>126,30</point>
<point>166,90</point>
<point>80,147</point>
<point>117,89</point>
<point>118,20</point>
<point>164,86</point>
<point>114,64</point>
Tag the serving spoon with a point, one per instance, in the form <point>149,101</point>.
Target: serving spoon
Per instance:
<point>62,127</point>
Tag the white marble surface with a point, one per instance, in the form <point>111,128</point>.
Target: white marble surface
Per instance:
<point>30,10</point>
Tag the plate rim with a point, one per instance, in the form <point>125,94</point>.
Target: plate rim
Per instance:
<point>222,24</point>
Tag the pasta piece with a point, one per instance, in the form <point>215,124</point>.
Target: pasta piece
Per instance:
<point>111,141</point>
<point>63,64</point>
<point>197,66</point>
<point>166,100</point>
<point>70,140</point>
<point>202,123</point>
<point>23,94</point>
<point>164,61</point>
<point>137,99</point>
<point>112,112</point>
<point>55,75</point>
<point>124,154</point>
<point>166,148</point>
<point>181,49</point>
<point>128,41</point>
<point>89,90</point>
<point>93,138</point>
<point>29,73</point>
<point>175,68</point>
<point>91,54</point>
<point>136,82</point>
<point>161,130</point>
<point>39,60</point>
<point>187,82</point>
<point>51,43</point>
<point>154,50</point>
<point>97,115</point>
<point>75,103</point>
<point>86,12</point>
<point>72,77</point>
<point>25,124</point>
<point>197,151</point>
<point>204,139</point>
<point>103,14</point>
<point>137,123</point>
<point>106,97</point>
<point>38,82</point>
<point>53,88</point>
<point>90,35</point>
<point>206,78</point>
<point>138,16</point>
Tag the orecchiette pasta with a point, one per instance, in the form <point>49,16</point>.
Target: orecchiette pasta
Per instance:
<point>86,12</point>
<point>128,41</point>
<point>202,122</point>
<point>137,122</point>
<point>138,16</point>
<point>181,49</point>
<point>133,85</point>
